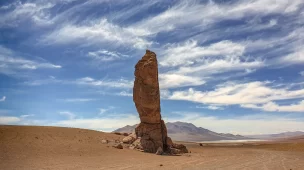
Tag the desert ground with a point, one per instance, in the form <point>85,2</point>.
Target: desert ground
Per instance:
<point>57,148</point>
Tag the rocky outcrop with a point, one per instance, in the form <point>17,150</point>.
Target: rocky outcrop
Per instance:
<point>151,134</point>
<point>146,97</point>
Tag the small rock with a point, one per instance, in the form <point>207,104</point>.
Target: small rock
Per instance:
<point>201,144</point>
<point>129,139</point>
<point>180,147</point>
<point>175,151</point>
<point>117,133</point>
<point>161,165</point>
<point>119,146</point>
<point>132,147</point>
<point>159,151</point>
<point>104,141</point>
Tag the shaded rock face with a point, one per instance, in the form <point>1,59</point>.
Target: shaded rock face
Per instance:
<point>146,97</point>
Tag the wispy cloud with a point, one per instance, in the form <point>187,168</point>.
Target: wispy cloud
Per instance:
<point>11,63</point>
<point>121,83</point>
<point>106,56</point>
<point>302,73</point>
<point>198,14</point>
<point>100,31</point>
<point>9,119</point>
<point>104,110</point>
<point>273,107</point>
<point>239,93</point>
<point>85,81</point>
<point>176,80</point>
<point>26,116</point>
<point>190,52</point>
<point>72,100</point>
<point>210,107</point>
<point>3,99</point>
<point>68,114</point>
<point>37,13</point>
<point>189,64</point>
<point>124,93</point>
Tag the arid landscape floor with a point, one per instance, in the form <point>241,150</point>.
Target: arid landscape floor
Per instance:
<point>55,148</point>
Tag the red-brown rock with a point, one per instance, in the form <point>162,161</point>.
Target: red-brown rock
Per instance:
<point>146,97</point>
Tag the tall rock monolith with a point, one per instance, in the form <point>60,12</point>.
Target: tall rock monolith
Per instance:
<point>146,96</point>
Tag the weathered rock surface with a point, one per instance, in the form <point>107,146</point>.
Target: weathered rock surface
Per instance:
<point>151,132</point>
<point>159,151</point>
<point>129,139</point>
<point>169,141</point>
<point>180,147</point>
<point>146,97</point>
<point>104,141</point>
<point>118,146</point>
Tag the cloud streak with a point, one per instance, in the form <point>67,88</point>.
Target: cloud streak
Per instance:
<point>241,93</point>
<point>3,99</point>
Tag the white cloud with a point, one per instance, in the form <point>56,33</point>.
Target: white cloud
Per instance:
<point>77,100</point>
<point>9,119</point>
<point>121,83</point>
<point>188,64</point>
<point>193,13</point>
<point>175,80</point>
<point>238,93</point>
<point>124,93</point>
<point>244,125</point>
<point>101,31</point>
<point>302,73</point>
<point>38,13</point>
<point>106,56</point>
<point>296,57</point>
<point>273,107</point>
<point>68,114</point>
<point>26,116</point>
<point>210,107</point>
<point>11,63</point>
<point>3,99</point>
<point>104,110</point>
<point>190,52</point>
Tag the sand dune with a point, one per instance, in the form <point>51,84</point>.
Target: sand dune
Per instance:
<point>56,148</point>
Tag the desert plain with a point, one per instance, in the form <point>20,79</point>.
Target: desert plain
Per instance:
<point>59,148</point>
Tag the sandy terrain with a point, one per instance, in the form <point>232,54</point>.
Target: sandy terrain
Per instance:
<point>54,148</point>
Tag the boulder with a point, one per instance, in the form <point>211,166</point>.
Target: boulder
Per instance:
<point>104,141</point>
<point>181,147</point>
<point>159,151</point>
<point>175,151</point>
<point>118,146</point>
<point>129,139</point>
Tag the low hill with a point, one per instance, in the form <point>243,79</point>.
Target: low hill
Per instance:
<point>182,131</point>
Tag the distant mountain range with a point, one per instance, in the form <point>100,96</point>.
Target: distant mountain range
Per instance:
<point>181,131</point>
<point>278,135</point>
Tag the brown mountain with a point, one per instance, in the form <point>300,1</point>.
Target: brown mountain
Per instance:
<point>181,131</point>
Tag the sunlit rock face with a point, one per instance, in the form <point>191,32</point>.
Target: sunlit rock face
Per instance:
<point>146,96</point>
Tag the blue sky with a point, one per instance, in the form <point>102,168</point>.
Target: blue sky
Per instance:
<point>229,66</point>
